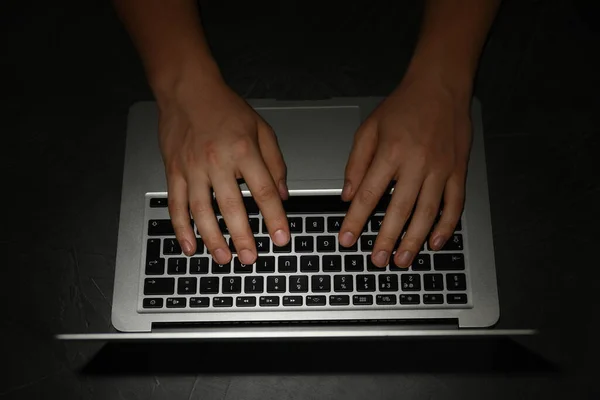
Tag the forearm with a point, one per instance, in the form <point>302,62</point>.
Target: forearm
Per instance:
<point>169,38</point>
<point>451,40</point>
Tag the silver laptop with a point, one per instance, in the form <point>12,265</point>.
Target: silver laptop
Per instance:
<point>312,288</point>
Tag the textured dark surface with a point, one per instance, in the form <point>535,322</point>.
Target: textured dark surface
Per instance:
<point>69,75</point>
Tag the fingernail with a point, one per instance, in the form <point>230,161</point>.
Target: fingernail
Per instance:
<point>246,256</point>
<point>438,242</point>
<point>347,189</point>
<point>187,247</point>
<point>404,258</point>
<point>220,255</point>
<point>347,239</point>
<point>280,237</point>
<point>283,189</point>
<point>381,258</point>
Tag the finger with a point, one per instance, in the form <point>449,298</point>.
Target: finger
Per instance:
<point>428,205</point>
<point>201,207</point>
<point>368,194</point>
<point>267,198</point>
<point>180,216</point>
<point>363,149</point>
<point>269,148</point>
<point>454,200</point>
<point>234,212</point>
<point>398,211</point>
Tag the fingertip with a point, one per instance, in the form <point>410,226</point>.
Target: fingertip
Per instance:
<point>281,237</point>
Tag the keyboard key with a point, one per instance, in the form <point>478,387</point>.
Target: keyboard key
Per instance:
<point>199,302</point>
<point>295,224</point>
<point>456,298</point>
<point>385,299</point>
<point>223,226</point>
<point>353,248</point>
<point>410,282</point>
<point>309,263</point>
<point>263,244</point>
<point>422,262</point>
<point>332,263</point>
<point>157,286</point>
<point>325,243</point>
<point>292,300</point>
<point>153,303</point>
<point>343,283</point>
<point>365,283</point>
<point>316,300</point>
<point>367,242</point>
<point>245,301</point>
<point>372,267</point>
<point>177,266</point>
<point>283,249</point>
<point>315,224</point>
<point>287,264</point>
<point>160,227</point>
<point>199,246</point>
<point>155,266</point>
<point>388,283</point>
<point>186,285</point>
<point>275,284</point>
<point>199,265</point>
<point>433,298</point>
<point>152,249</point>
<point>209,285</point>
<point>456,281</point>
<point>171,247</point>
<point>159,202</point>
<point>376,222</point>
<point>254,224</point>
<point>304,244</point>
<point>220,268</point>
<point>455,243</point>
<point>448,262</point>
<point>362,299</point>
<point>298,283</point>
<point>269,301</point>
<point>321,283</point>
<point>265,264</point>
<point>433,282</point>
<point>232,284</point>
<point>254,284</point>
<point>410,299</point>
<point>176,302</point>
<point>334,224</point>
<point>222,301</point>
<point>240,268</point>
<point>339,300</point>
<point>354,263</point>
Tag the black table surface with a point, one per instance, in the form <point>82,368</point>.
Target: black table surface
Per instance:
<point>70,74</point>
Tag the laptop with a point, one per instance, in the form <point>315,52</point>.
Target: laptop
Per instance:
<point>313,288</point>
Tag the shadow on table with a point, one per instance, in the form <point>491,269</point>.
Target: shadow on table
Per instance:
<point>463,355</point>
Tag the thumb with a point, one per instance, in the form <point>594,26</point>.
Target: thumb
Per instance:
<point>363,148</point>
<point>269,148</point>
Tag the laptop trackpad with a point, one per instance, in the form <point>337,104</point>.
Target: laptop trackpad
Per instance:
<point>315,141</point>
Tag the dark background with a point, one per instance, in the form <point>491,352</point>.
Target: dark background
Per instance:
<point>69,75</point>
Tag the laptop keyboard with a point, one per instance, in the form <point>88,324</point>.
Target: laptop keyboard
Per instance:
<point>312,272</point>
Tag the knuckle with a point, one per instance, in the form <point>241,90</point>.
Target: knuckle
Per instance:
<point>386,240</point>
<point>230,205</point>
<point>265,192</point>
<point>200,208</point>
<point>429,211</point>
<point>368,196</point>
<point>242,146</point>
<point>242,240</point>
<point>210,154</point>
<point>412,243</point>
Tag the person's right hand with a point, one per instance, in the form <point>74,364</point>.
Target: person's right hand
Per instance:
<point>210,137</point>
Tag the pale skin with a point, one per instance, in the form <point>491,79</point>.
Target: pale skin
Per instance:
<point>420,136</point>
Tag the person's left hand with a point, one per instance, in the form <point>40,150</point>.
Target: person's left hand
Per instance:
<point>419,136</point>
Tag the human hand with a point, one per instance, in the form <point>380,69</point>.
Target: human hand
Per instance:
<point>210,137</point>
<point>419,136</point>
